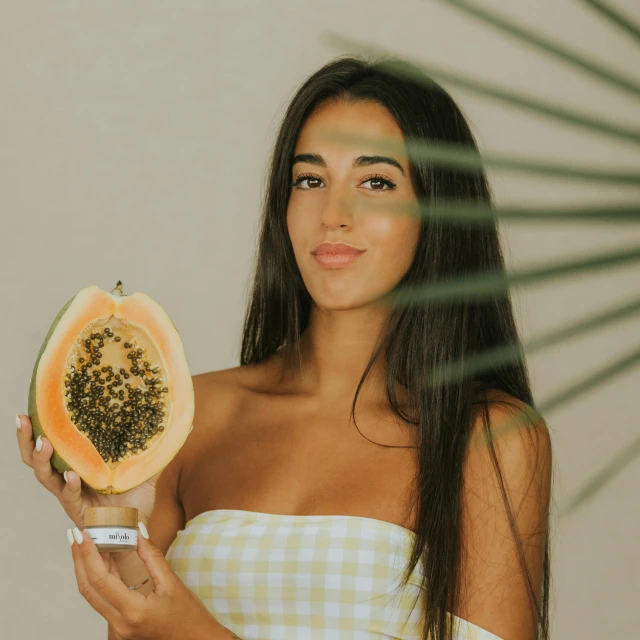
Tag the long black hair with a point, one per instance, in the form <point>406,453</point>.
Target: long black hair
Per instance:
<point>416,337</point>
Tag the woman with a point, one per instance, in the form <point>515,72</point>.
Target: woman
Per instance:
<point>284,519</point>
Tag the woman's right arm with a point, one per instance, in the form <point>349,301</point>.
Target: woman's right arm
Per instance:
<point>167,518</point>
<point>132,571</point>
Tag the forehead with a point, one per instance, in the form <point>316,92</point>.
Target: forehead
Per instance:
<point>366,118</point>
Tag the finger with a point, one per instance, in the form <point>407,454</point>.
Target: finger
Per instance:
<point>44,472</point>
<point>113,591</point>
<point>157,565</point>
<point>92,594</point>
<point>71,496</point>
<point>25,439</point>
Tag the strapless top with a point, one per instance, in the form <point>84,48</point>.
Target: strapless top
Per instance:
<point>271,576</point>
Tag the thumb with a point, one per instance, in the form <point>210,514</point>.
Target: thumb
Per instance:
<point>154,560</point>
<point>71,496</point>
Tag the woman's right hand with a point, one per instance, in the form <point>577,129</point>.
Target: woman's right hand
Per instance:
<point>74,495</point>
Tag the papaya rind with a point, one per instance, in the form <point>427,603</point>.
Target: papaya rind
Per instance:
<point>57,462</point>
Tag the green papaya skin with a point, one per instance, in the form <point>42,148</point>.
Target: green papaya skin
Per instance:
<point>57,462</point>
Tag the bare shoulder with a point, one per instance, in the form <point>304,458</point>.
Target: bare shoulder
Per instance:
<point>520,438</point>
<point>219,395</point>
<point>495,592</point>
<point>509,415</point>
<point>216,397</point>
<point>214,393</point>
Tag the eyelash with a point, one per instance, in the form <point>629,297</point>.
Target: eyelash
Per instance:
<point>373,176</point>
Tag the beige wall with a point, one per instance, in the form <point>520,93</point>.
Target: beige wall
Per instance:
<point>134,143</point>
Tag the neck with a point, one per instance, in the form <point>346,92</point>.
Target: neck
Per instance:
<point>336,347</point>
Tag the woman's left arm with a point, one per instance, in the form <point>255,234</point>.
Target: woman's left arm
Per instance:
<point>495,593</point>
<point>169,612</point>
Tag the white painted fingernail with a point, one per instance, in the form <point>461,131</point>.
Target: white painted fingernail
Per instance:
<point>39,443</point>
<point>18,421</point>
<point>77,534</point>
<point>143,530</point>
<point>65,477</point>
<point>69,537</point>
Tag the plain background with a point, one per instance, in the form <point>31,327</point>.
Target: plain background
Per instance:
<point>135,138</point>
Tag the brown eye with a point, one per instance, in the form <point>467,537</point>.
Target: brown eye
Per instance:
<point>380,179</point>
<point>304,177</point>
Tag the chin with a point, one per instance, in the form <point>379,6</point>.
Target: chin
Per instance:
<point>338,301</point>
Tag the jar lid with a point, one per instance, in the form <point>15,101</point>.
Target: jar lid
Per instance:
<point>111,516</point>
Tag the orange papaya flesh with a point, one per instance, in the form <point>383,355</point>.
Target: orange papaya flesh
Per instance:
<point>120,416</point>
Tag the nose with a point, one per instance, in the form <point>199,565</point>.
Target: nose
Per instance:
<point>336,212</point>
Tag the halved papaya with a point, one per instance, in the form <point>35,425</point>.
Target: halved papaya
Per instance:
<point>111,389</point>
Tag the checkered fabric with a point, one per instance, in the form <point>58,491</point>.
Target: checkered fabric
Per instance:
<point>304,577</point>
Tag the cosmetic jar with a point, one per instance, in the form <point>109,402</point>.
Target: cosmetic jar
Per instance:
<point>112,528</point>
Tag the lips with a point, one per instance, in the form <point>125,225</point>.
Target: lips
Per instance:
<point>336,248</point>
<point>337,260</point>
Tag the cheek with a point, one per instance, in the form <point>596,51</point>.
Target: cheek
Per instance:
<point>297,231</point>
<point>394,239</point>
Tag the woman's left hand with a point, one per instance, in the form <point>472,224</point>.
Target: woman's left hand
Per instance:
<point>170,611</point>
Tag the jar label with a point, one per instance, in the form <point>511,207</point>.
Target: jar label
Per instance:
<point>114,535</point>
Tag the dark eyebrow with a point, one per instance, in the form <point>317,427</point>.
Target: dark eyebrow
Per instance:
<point>360,161</point>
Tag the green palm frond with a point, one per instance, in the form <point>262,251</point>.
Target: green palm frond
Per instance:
<point>474,213</point>
<point>571,392</point>
<point>568,116</point>
<point>507,354</point>
<point>454,156</point>
<point>615,16</point>
<point>608,472</point>
<point>489,284</point>
<point>558,51</point>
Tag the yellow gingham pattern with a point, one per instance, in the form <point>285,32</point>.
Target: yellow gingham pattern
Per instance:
<point>303,577</point>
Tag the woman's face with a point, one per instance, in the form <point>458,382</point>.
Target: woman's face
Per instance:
<point>331,201</point>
